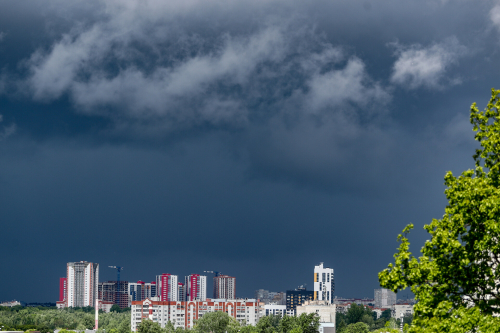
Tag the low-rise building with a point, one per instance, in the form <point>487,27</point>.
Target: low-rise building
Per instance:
<point>399,310</point>
<point>184,313</point>
<point>11,303</point>
<point>324,309</point>
<point>274,309</point>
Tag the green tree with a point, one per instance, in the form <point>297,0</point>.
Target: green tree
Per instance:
<point>356,313</point>
<point>149,326</point>
<point>124,327</point>
<point>115,308</point>
<point>249,329</point>
<point>269,324</point>
<point>217,322</point>
<point>455,279</point>
<point>169,328</point>
<point>356,328</point>
<point>308,322</point>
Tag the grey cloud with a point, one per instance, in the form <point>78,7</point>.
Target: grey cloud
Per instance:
<point>2,35</point>
<point>6,131</point>
<point>418,66</point>
<point>217,86</point>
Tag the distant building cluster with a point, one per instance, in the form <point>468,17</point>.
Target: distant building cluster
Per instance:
<point>81,287</point>
<point>10,303</point>
<point>182,302</point>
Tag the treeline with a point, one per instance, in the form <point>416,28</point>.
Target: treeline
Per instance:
<point>358,319</point>
<point>363,320</point>
<point>46,319</point>
<point>221,322</point>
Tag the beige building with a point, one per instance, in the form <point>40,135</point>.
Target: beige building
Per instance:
<point>323,309</point>
<point>401,309</point>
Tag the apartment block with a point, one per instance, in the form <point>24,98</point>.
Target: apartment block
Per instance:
<point>384,298</point>
<point>184,314</point>
<point>167,287</point>
<point>297,297</point>
<point>196,287</point>
<point>82,283</point>
<point>225,287</point>
<point>140,290</point>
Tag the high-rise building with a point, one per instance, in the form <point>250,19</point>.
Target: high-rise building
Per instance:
<point>140,290</point>
<point>63,289</point>
<point>224,287</point>
<point>82,283</point>
<point>262,295</point>
<point>181,292</point>
<point>196,287</point>
<point>167,287</point>
<point>297,297</point>
<point>324,283</point>
<point>384,298</point>
<point>109,291</point>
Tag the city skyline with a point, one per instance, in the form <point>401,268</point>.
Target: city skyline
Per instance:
<point>252,138</point>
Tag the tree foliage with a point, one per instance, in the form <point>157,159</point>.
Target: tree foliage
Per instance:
<point>455,279</point>
<point>217,322</point>
<point>47,320</point>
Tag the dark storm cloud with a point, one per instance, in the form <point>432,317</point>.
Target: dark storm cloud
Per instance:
<point>253,137</point>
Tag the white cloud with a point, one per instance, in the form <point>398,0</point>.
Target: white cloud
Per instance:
<point>419,66</point>
<point>351,83</point>
<point>495,16</point>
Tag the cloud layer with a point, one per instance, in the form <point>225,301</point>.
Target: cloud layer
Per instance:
<point>182,83</point>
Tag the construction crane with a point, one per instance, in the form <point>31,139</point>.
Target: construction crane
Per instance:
<point>213,272</point>
<point>118,270</point>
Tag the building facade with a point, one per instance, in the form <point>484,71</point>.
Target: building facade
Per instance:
<point>63,289</point>
<point>167,287</point>
<point>324,283</point>
<point>224,287</point>
<point>82,283</point>
<point>384,298</point>
<point>324,309</point>
<point>181,291</point>
<point>401,310</point>
<point>297,297</point>
<point>140,290</point>
<point>196,287</point>
<point>110,291</point>
<point>184,314</point>
<point>274,310</point>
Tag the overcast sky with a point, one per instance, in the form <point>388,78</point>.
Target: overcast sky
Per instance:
<point>257,138</point>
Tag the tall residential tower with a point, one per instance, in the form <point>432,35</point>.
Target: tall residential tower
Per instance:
<point>324,285</point>
<point>196,287</point>
<point>81,283</point>
<point>167,287</point>
<point>224,287</point>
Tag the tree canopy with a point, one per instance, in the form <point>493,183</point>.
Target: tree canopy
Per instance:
<point>455,280</point>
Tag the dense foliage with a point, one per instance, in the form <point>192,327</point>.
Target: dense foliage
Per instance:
<point>361,319</point>
<point>357,319</point>
<point>42,319</point>
<point>456,278</point>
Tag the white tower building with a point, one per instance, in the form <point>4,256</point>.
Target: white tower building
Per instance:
<point>324,284</point>
<point>82,283</point>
